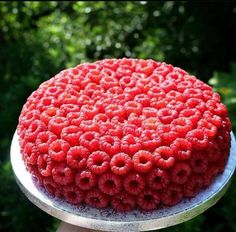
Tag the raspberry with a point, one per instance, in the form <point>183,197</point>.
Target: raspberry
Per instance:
<point>198,138</point>
<point>30,153</point>
<point>43,140</point>
<point>193,115</point>
<point>98,162</point>
<point>182,148</point>
<point>123,202</point>
<point>71,134</point>
<point>130,144</point>
<point>89,111</point>
<point>150,140</point>
<point>133,107</point>
<point>77,157</point>
<point>151,123</point>
<point>124,133</point>
<point>158,179</point>
<point>148,199</point>
<point>48,114</point>
<point>121,164</point>
<point>172,195</point>
<point>96,199</point>
<point>193,186</point>
<point>163,157</point>
<point>142,161</point>
<point>89,125</point>
<point>62,174</point>
<point>142,99</point>
<point>56,124</point>
<point>182,125</point>
<point>110,184</point>
<point>110,144</point>
<point>134,183</point>
<point>58,150</point>
<point>45,165</point>
<point>86,180</point>
<point>198,163</point>
<point>73,194</point>
<point>196,103</point>
<point>34,129</point>
<point>208,128</point>
<point>166,115</point>
<point>52,187</point>
<point>127,81</point>
<point>90,140</point>
<point>180,173</point>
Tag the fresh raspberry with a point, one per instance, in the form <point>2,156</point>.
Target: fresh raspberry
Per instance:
<point>193,186</point>
<point>198,162</point>
<point>96,199</point>
<point>56,124</point>
<point>30,153</point>
<point>163,157</point>
<point>168,134</point>
<point>89,110</point>
<point>52,187</point>
<point>166,115</point>
<point>98,162</point>
<point>180,173</point>
<point>208,128</point>
<point>213,151</point>
<point>148,199</point>
<point>198,138</point>
<point>90,140</point>
<point>89,125</point>
<point>62,174</point>
<point>133,107</point>
<point>101,118</point>
<point>77,157</point>
<point>142,161</point>
<point>142,99</point>
<point>45,165</point>
<point>71,134</point>
<point>196,103</point>
<point>85,180</point>
<point>33,130</point>
<point>121,164</point>
<point>130,144</point>
<point>172,195</point>
<point>182,148</point>
<point>108,82</point>
<point>193,115</point>
<point>110,184</point>
<point>43,140</point>
<point>158,179</point>
<point>123,202</point>
<point>151,123</point>
<point>149,112</point>
<point>182,126</point>
<point>110,144</point>
<point>73,194</point>
<point>134,183</point>
<point>48,114</point>
<point>58,149</point>
<point>150,140</point>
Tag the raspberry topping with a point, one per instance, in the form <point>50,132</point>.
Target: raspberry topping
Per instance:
<point>124,133</point>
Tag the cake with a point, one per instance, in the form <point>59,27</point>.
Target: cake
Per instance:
<point>125,134</point>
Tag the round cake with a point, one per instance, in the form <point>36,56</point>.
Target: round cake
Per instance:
<point>124,133</point>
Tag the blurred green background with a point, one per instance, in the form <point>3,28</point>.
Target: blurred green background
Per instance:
<point>38,39</point>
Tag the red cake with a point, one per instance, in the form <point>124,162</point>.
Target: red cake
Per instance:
<point>124,133</point>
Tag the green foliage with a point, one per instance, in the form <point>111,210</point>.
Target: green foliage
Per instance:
<point>225,84</point>
<point>38,39</point>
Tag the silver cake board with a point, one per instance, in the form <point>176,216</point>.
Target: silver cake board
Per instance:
<point>108,219</point>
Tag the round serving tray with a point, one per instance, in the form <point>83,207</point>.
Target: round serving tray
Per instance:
<point>107,219</point>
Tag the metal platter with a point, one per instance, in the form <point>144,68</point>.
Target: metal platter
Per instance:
<point>107,219</point>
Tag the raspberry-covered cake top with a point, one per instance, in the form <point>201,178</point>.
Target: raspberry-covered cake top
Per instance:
<point>124,133</point>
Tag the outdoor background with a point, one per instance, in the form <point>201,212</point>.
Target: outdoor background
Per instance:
<point>38,39</point>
